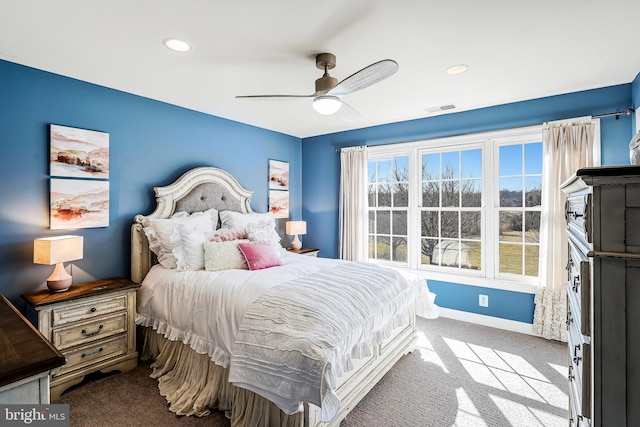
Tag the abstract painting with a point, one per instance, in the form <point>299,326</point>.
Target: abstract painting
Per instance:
<point>278,175</point>
<point>279,203</point>
<point>78,153</point>
<point>79,203</point>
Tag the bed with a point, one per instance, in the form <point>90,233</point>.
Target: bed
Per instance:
<point>211,348</point>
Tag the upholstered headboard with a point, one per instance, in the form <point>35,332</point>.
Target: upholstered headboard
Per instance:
<point>195,191</point>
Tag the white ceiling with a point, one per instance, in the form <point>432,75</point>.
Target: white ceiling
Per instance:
<point>517,50</point>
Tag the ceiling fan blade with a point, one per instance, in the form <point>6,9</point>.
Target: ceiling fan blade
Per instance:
<point>347,112</point>
<point>275,97</point>
<point>366,77</point>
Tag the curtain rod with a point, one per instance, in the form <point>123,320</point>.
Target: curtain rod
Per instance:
<point>629,111</point>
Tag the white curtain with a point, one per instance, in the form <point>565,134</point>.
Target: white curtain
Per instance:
<point>354,207</point>
<point>566,147</point>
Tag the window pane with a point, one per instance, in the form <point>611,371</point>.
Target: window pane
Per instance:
<point>449,252</point>
<point>428,246</point>
<point>400,249</point>
<point>399,223</point>
<point>471,190</point>
<point>384,170</point>
<point>401,168</point>
<point>511,226</point>
<point>372,246</point>
<point>429,221</point>
<point>372,222</point>
<point>451,165</point>
<point>383,223</point>
<point>533,158</point>
<point>472,255</point>
<point>430,166</point>
<point>431,194</point>
<point>372,167</point>
<point>384,195</point>
<point>510,258</point>
<point>372,196</point>
<point>511,192</point>
<point>450,194</point>
<point>533,191</point>
<point>383,247</point>
<point>531,260</point>
<point>401,195</point>
<point>510,160</point>
<point>470,225</point>
<point>449,224</point>
<point>532,227</point>
<point>471,164</point>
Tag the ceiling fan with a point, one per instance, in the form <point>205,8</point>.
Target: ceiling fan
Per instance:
<point>326,98</point>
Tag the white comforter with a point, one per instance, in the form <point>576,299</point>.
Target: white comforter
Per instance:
<point>206,309</point>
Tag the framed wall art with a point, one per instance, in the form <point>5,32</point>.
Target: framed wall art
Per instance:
<point>78,153</point>
<point>279,203</point>
<point>278,175</point>
<point>78,203</point>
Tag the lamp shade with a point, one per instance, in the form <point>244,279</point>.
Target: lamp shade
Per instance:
<point>296,227</point>
<point>54,250</point>
<point>326,104</point>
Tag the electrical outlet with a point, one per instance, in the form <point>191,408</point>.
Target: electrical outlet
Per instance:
<point>483,300</point>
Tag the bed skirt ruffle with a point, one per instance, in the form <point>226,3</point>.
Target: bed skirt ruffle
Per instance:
<point>193,385</point>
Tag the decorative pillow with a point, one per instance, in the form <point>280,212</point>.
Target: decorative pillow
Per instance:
<point>265,232</point>
<point>240,221</point>
<point>260,255</point>
<point>188,250</point>
<point>159,231</point>
<point>225,234</point>
<point>223,256</point>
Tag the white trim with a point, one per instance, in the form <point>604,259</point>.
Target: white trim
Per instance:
<point>493,322</point>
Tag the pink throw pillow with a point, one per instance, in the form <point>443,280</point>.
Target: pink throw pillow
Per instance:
<point>259,255</point>
<point>226,235</point>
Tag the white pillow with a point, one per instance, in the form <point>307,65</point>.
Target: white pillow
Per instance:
<point>188,248</point>
<point>159,231</point>
<point>240,221</point>
<point>224,256</point>
<point>265,232</point>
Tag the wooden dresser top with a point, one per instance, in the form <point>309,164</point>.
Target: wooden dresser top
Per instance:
<point>45,297</point>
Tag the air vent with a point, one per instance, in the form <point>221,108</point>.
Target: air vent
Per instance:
<point>440,108</point>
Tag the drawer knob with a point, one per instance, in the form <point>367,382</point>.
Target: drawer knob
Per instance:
<point>576,215</point>
<point>93,309</point>
<point>571,376</point>
<point>569,319</point>
<point>92,353</point>
<point>576,284</point>
<point>576,358</point>
<point>90,334</point>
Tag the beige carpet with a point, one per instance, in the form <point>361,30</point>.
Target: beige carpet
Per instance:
<point>460,375</point>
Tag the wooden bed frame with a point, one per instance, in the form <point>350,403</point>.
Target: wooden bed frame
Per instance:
<point>206,187</point>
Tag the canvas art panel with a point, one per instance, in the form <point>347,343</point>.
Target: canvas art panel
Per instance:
<point>79,203</point>
<point>279,203</point>
<point>78,153</point>
<point>278,175</point>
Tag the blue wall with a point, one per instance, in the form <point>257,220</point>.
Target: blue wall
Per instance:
<point>321,170</point>
<point>151,144</point>
<point>635,96</point>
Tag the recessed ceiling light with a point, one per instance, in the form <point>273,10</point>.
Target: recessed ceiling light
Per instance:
<point>177,45</point>
<point>457,69</point>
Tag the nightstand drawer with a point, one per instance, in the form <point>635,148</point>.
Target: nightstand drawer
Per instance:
<point>94,353</point>
<point>83,311</point>
<point>85,332</point>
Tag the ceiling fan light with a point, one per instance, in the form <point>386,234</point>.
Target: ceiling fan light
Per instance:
<point>326,104</point>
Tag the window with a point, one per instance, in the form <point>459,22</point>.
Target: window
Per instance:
<point>467,205</point>
<point>388,208</point>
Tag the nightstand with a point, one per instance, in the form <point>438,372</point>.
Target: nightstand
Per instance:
<point>92,324</point>
<point>305,251</point>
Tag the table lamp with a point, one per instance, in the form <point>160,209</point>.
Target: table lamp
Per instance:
<point>58,250</point>
<point>294,228</point>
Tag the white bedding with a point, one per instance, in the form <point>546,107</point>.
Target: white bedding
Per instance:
<point>205,309</point>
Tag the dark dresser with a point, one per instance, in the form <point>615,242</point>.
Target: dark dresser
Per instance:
<point>603,316</point>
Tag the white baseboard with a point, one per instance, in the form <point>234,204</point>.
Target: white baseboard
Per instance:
<point>494,322</point>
